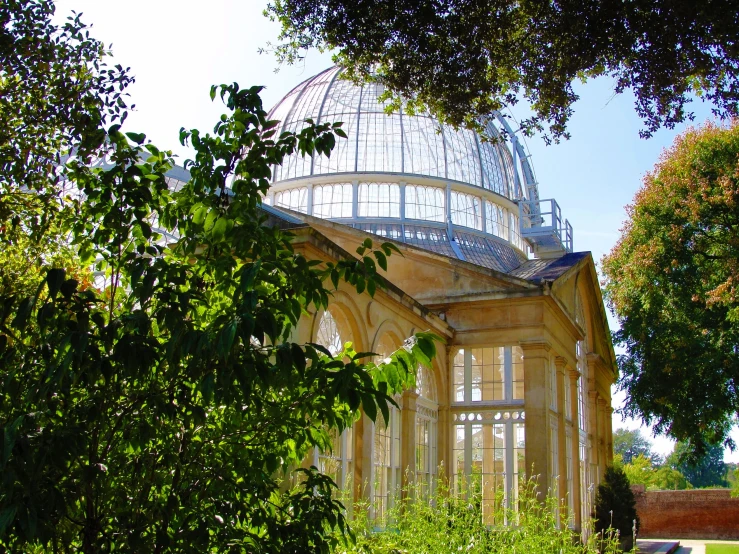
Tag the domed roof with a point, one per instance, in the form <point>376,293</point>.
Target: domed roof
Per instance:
<point>411,179</point>
<point>390,143</point>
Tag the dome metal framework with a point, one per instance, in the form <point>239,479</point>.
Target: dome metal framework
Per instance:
<point>409,177</point>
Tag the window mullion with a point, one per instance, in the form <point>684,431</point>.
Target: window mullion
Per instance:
<point>467,456</point>
<point>467,375</point>
<point>508,372</point>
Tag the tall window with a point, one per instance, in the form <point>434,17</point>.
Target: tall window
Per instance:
<point>488,456</point>
<point>386,458</point>
<point>337,462</point>
<point>294,199</point>
<point>426,431</point>
<point>425,203</point>
<point>582,366</point>
<point>488,374</point>
<point>333,201</point>
<point>466,211</point>
<point>386,478</point>
<point>379,200</point>
<point>552,385</point>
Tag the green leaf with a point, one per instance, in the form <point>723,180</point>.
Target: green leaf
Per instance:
<point>138,138</point>
<point>199,216</point>
<point>381,259</point>
<point>54,280</point>
<point>228,334</point>
<point>369,406</point>
<point>220,228</point>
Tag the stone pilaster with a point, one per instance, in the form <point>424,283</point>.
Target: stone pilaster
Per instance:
<point>573,375</point>
<point>536,405</point>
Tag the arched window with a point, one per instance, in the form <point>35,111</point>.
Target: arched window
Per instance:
<point>379,200</point>
<point>425,203</point>
<point>466,210</point>
<point>337,463</point>
<point>496,220</point>
<point>386,478</point>
<point>294,199</point>
<point>328,334</point>
<point>333,201</point>
<point>427,417</point>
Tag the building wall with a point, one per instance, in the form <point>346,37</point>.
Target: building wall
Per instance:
<point>690,514</point>
<point>557,344</point>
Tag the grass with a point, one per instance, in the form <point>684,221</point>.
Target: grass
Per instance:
<point>722,549</point>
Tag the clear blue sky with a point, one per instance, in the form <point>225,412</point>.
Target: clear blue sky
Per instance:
<point>178,49</point>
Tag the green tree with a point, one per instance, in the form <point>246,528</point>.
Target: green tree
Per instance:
<point>672,282</point>
<point>56,91</point>
<point>463,59</point>
<point>615,505</point>
<point>709,470</point>
<point>630,444</point>
<point>643,471</point>
<point>158,414</point>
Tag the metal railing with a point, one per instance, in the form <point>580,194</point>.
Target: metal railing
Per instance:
<point>543,226</point>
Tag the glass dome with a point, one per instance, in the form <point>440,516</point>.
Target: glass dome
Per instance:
<point>390,143</point>
<point>405,177</point>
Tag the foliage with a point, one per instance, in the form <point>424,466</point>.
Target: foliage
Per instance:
<point>157,414</point>
<point>643,471</point>
<point>465,59</point>
<point>55,92</point>
<point>615,505</point>
<point>709,470</point>
<point>630,444</point>
<point>672,282</point>
<point>451,522</point>
<point>735,483</point>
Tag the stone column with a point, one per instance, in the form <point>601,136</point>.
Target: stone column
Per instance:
<point>559,364</point>
<point>609,427</point>
<point>602,434</point>
<point>358,474</point>
<point>573,376</point>
<point>364,472</point>
<point>408,439</point>
<point>536,405</point>
<point>593,424</point>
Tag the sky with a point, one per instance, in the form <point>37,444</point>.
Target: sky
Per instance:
<point>177,49</point>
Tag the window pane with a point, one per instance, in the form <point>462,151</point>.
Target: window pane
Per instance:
<point>379,200</point>
<point>459,376</point>
<point>465,210</point>
<point>425,203</point>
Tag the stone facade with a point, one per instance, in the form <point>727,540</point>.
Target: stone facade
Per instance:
<point>689,514</point>
<point>521,387</point>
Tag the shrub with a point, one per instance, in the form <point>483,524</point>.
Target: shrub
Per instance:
<point>451,523</point>
<point>615,507</point>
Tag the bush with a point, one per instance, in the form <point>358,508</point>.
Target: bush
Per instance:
<point>615,507</point>
<point>450,523</point>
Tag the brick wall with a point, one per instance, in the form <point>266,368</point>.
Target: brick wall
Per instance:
<point>692,514</point>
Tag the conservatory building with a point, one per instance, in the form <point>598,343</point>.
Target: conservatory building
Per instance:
<point>521,388</point>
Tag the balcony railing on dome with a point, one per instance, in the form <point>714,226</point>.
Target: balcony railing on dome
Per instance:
<point>542,225</point>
